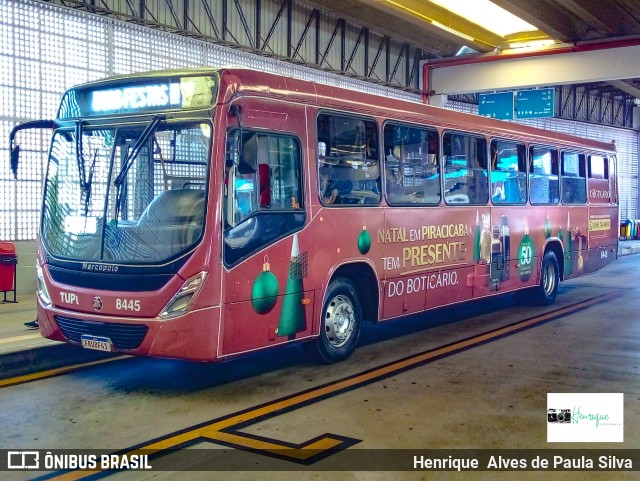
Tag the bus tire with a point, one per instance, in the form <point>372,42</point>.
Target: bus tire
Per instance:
<point>340,324</point>
<point>546,292</point>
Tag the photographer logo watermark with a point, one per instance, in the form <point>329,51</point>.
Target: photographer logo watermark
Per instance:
<point>585,417</point>
<point>23,460</point>
<point>559,415</point>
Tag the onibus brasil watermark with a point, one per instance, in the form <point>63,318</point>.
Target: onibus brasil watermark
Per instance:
<point>35,460</point>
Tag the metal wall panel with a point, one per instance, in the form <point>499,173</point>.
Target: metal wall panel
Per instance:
<point>304,34</point>
<point>286,29</point>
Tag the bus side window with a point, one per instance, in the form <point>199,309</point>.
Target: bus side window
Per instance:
<point>465,174</point>
<point>574,189</point>
<point>599,187</point>
<point>348,160</point>
<point>613,180</point>
<point>598,167</point>
<point>543,176</point>
<point>411,165</point>
<point>508,172</point>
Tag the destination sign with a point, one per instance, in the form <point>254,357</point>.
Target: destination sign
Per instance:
<point>132,96</point>
<point>137,98</point>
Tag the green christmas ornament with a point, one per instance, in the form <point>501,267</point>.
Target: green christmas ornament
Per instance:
<point>364,241</point>
<point>265,290</point>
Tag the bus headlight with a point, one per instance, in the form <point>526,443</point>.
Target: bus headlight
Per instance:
<point>184,298</point>
<point>41,287</point>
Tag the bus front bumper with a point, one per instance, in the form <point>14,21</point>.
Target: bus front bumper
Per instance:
<point>192,336</point>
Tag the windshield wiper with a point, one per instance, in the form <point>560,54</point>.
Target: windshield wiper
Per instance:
<point>88,183</point>
<point>85,184</point>
<point>131,157</point>
<point>135,150</point>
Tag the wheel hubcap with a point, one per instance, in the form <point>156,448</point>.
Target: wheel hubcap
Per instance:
<point>339,320</point>
<point>549,279</point>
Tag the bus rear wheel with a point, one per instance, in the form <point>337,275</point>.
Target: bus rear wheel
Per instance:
<point>340,324</point>
<point>547,291</point>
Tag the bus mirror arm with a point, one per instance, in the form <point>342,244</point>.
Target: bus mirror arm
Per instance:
<point>231,198</point>
<point>15,149</point>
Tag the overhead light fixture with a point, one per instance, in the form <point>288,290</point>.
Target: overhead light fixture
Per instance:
<point>488,15</point>
<point>480,22</point>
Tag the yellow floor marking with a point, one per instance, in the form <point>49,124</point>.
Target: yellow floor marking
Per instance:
<point>26,337</point>
<point>214,431</point>
<point>54,372</point>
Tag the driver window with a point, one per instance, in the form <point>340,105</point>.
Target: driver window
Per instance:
<point>267,176</point>
<point>263,192</point>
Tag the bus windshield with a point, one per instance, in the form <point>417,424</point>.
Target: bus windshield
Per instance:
<point>129,194</point>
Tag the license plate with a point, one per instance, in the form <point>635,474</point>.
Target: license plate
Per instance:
<point>96,342</point>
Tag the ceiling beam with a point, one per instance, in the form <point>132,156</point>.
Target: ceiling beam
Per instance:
<point>630,8</point>
<point>396,26</point>
<point>601,16</point>
<point>626,87</point>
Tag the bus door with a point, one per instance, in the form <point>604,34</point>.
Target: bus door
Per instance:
<point>265,256</point>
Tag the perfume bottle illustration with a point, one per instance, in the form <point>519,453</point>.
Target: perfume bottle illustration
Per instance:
<point>476,238</point>
<point>547,227</point>
<point>568,268</point>
<point>485,240</point>
<point>505,240</point>
<point>497,261</point>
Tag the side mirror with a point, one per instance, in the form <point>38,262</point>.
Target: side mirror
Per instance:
<point>15,159</point>
<point>15,149</point>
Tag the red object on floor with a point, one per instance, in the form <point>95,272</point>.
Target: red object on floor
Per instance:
<point>8,262</point>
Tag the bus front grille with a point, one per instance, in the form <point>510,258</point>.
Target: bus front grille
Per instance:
<point>123,336</point>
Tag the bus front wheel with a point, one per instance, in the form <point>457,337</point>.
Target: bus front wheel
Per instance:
<point>340,324</point>
<point>547,291</point>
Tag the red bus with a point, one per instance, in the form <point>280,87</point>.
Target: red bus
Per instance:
<point>203,214</point>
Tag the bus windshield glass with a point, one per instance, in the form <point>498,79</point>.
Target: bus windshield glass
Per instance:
<point>130,194</point>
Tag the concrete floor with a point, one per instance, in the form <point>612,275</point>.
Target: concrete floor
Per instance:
<point>490,395</point>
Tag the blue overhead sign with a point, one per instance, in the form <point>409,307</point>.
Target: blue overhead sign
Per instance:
<point>496,106</point>
<point>535,103</point>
